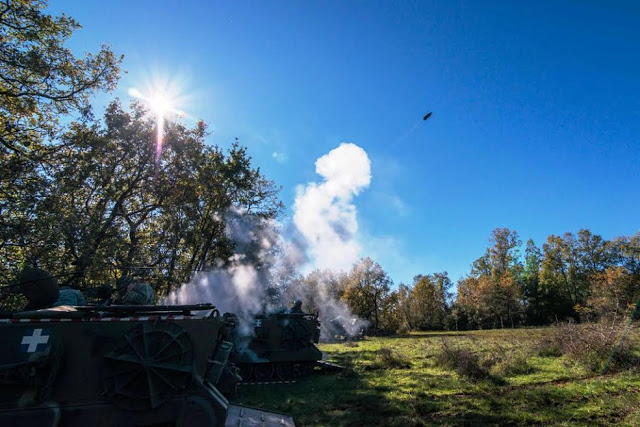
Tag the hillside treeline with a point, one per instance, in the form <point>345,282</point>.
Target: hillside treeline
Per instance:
<point>575,277</point>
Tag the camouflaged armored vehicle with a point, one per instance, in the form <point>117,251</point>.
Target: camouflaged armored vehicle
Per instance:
<point>119,366</point>
<point>279,346</point>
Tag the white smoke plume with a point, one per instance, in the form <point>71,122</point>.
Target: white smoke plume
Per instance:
<point>325,214</point>
<point>264,274</point>
<point>319,292</point>
<point>239,287</point>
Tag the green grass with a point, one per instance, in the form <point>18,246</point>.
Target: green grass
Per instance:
<point>403,385</point>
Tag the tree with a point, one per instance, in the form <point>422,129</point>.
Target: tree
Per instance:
<point>593,252</point>
<point>492,292</point>
<point>575,275</point>
<point>614,292</point>
<point>625,252</point>
<point>390,319</point>
<point>429,296</point>
<point>616,289</point>
<point>470,310</point>
<point>569,266</point>
<point>534,297</point>
<point>41,81</point>
<point>560,270</point>
<point>316,290</point>
<point>501,256</point>
<point>404,307</point>
<point>367,286</point>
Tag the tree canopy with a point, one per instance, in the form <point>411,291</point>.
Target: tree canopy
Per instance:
<point>109,206</point>
<point>42,85</point>
<point>40,79</point>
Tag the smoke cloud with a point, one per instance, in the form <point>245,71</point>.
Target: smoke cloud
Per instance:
<point>264,273</point>
<point>319,292</point>
<point>241,286</point>
<point>324,213</point>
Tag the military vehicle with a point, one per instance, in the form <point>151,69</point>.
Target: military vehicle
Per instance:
<point>343,329</point>
<point>119,366</point>
<point>278,346</point>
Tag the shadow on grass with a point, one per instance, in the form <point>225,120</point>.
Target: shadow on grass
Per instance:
<point>331,400</point>
<point>354,399</point>
<point>358,399</point>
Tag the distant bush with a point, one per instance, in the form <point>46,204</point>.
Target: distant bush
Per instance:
<point>513,363</point>
<point>462,360</point>
<point>388,359</point>
<point>550,346</point>
<point>595,347</point>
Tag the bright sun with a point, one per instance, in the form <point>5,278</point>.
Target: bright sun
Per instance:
<point>163,97</point>
<point>160,104</point>
<point>158,101</point>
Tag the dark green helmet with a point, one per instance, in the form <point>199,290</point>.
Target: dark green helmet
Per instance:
<point>39,286</point>
<point>122,283</point>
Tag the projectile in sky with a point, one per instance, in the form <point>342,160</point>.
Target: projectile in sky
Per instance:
<point>427,116</point>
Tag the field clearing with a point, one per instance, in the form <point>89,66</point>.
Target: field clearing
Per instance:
<point>396,381</point>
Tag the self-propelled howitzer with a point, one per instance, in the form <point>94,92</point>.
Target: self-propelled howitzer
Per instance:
<point>278,346</point>
<point>118,366</point>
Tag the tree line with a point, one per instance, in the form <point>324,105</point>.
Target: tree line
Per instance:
<point>572,277</point>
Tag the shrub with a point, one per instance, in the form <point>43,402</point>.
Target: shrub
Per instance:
<point>387,359</point>
<point>550,346</point>
<point>595,347</point>
<point>514,363</point>
<point>462,360</point>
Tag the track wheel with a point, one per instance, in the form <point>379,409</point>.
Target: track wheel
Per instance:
<point>304,369</point>
<point>285,370</point>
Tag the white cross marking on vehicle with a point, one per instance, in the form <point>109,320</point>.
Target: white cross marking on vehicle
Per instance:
<point>34,340</point>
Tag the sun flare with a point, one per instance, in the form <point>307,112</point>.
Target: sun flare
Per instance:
<point>163,100</point>
<point>160,104</point>
<point>158,101</point>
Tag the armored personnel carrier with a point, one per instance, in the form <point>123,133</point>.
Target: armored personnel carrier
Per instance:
<point>279,346</point>
<point>119,366</point>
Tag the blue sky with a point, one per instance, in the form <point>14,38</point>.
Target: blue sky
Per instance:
<point>536,122</point>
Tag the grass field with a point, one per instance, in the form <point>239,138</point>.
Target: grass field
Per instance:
<point>400,381</point>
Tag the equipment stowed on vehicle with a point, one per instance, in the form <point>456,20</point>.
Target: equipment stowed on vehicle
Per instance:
<point>119,366</point>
